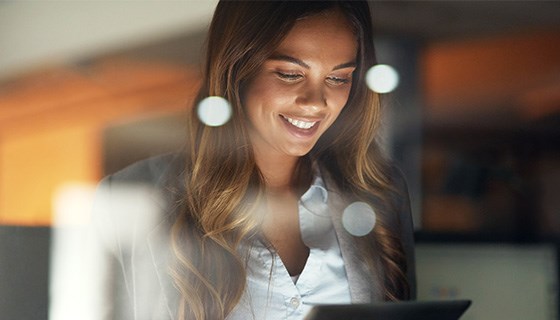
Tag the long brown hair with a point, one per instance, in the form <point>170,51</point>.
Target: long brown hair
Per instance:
<point>224,185</point>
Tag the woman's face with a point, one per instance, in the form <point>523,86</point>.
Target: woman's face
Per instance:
<point>300,90</point>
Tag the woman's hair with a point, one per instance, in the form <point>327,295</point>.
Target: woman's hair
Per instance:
<point>219,210</point>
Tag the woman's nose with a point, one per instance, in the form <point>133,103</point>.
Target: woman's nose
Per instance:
<point>312,96</point>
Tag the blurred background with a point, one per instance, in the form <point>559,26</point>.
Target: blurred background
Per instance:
<point>88,87</point>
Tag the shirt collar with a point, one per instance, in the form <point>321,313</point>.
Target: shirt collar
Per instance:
<point>317,190</point>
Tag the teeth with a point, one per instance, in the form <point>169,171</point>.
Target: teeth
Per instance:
<point>300,124</point>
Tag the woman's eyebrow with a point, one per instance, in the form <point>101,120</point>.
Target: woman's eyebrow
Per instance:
<point>282,57</point>
<point>351,64</point>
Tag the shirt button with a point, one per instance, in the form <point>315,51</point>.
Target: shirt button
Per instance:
<point>294,302</point>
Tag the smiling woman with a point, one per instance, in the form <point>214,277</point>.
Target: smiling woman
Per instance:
<point>295,97</point>
<point>300,90</point>
<point>251,222</point>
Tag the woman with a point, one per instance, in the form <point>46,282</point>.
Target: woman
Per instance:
<point>254,207</point>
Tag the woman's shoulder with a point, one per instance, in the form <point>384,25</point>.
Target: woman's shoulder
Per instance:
<point>146,188</point>
<point>132,202</point>
<point>153,171</point>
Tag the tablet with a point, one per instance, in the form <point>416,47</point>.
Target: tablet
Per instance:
<point>405,310</point>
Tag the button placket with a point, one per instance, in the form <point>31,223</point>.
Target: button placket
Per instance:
<point>295,302</point>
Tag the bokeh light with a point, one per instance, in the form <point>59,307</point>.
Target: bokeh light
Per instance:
<point>214,111</point>
<point>81,266</point>
<point>358,219</point>
<point>382,78</point>
<point>71,204</point>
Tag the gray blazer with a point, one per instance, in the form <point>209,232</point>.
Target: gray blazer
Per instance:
<point>137,252</point>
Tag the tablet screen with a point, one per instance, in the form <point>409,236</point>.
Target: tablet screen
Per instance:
<point>406,310</point>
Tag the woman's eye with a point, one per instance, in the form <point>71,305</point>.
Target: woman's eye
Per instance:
<point>286,76</point>
<point>339,81</point>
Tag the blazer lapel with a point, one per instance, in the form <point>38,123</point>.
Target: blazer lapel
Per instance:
<point>363,287</point>
<point>159,246</point>
<point>170,183</point>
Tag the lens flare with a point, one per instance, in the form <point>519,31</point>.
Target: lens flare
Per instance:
<point>214,111</point>
<point>81,270</point>
<point>358,219</point>
<point>382,78</point>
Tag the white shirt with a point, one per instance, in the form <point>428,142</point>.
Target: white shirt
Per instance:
<point>272,294</point>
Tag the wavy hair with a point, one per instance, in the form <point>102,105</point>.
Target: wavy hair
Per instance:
<point>219,209</point>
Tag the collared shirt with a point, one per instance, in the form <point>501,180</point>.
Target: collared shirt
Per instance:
<point>272,294</point>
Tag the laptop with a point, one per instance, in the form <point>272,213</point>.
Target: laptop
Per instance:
<point>404,310</point>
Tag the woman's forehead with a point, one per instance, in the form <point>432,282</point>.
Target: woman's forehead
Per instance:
<point>328,34</point>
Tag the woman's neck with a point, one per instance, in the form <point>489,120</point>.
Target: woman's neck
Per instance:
<point>278,172</point>
<point>285,176</point>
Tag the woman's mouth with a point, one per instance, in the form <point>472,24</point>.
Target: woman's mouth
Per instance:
<point>299,123</point>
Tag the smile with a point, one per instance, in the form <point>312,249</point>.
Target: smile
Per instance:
<point>299,123</point>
